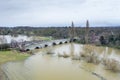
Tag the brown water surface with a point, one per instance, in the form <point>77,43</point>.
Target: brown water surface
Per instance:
<point>51,67</point>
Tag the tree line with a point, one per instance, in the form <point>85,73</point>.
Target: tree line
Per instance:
<point>109,36</point>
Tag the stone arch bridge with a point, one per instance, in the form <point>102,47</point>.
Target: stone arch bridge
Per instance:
<point>43,44</point>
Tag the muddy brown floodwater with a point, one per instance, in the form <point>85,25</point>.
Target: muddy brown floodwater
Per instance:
<point>42,66</point>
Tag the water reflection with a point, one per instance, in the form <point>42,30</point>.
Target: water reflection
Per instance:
<point>52,67</point>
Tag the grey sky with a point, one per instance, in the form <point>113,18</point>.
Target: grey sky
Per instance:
<point>59,12</point>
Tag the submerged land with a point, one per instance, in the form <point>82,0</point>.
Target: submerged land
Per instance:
<point>90,45</point>
<point>60,61</point>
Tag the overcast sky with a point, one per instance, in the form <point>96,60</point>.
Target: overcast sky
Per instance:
<point>59,12</point>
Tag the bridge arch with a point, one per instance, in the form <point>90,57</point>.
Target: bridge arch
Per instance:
<point>65,42</point>
<point>27,49</point>
<point>46,45</point>
<point>37,47</point>
<point>60,43</point>
<point>54,43</point>
<point>74,40</point>
<point>70,41</point>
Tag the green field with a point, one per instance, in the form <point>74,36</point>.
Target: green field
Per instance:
<point>6,56</point>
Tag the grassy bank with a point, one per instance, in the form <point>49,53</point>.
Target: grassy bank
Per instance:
<point>6,56</point>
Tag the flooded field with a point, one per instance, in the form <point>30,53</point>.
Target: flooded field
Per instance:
<point>66,62</point>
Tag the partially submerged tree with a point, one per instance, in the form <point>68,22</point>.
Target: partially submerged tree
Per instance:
<point>102,40</point>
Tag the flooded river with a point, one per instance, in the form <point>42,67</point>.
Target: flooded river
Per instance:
<point>57,63</point>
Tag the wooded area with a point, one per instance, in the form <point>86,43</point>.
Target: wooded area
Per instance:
<point>109,36</point>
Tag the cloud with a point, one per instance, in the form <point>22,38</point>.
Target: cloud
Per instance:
<point>59,12</point>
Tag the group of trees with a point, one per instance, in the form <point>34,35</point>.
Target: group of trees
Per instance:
<point>4,45</point>
<point>56,32</point>
<point>111,40</point>
<point>106,35</point>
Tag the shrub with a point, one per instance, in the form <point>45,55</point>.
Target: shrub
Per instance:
<point>63,55</point>
<point>4,46</point>
<point>111,64</point>
<point>92,58</point>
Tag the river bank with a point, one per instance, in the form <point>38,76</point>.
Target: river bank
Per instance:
<point>7,56</point>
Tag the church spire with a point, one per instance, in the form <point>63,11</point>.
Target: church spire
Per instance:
<point>73,30</point>
<point>87,24</point>
<point>87,31</point>
<point>72,24</point>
